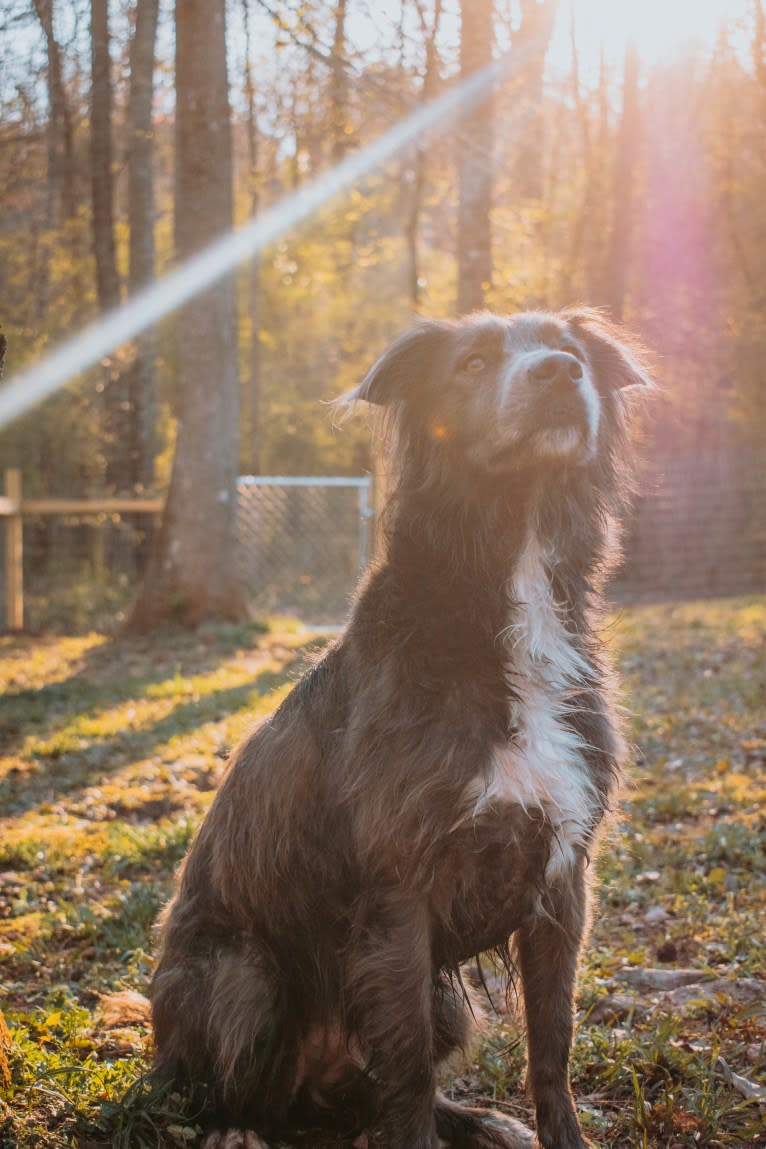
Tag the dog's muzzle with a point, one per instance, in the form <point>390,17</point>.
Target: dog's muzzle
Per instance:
<point>562,401</point>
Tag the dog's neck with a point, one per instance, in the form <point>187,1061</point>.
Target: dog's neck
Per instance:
<point>467,544</point>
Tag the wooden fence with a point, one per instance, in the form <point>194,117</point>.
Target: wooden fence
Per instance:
<point>74,562</point>
<point>698,531</point>
<point>13,508</point>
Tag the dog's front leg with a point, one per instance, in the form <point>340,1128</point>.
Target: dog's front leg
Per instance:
<point>548,947</point>
<point>392,983</point>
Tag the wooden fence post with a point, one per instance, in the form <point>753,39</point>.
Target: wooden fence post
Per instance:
<point>14,553</point>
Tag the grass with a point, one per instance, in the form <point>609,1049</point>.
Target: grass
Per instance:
<point>109,754</point>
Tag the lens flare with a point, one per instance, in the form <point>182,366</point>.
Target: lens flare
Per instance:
<point>200,271</point>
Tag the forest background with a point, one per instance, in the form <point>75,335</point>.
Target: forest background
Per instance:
<point>630,177</point>
<point>619,177</point>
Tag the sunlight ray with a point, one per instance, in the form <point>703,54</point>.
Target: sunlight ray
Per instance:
<point>49,374</point>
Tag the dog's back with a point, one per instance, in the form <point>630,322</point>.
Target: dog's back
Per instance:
<point>432,787</point>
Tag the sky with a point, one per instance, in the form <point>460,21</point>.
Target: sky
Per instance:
<point>659,28</point>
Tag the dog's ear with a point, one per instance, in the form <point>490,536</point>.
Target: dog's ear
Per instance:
<point>619,359</point>
<point>408,360</point>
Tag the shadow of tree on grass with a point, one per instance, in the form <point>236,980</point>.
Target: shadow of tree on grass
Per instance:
<point>116,671</point>
<point>68,773</point>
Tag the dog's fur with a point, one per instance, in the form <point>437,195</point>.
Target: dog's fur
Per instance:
<point>431,789</point>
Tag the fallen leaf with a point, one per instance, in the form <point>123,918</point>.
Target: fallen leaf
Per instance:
<point>120,1042</point>
<point>11,878</point>
<point>126,1007</point>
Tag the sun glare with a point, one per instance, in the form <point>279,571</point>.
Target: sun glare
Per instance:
<point>658,28</point>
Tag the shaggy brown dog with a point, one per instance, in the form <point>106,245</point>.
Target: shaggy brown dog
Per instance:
<point>431,789</point>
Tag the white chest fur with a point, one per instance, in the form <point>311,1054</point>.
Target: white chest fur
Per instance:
<point>542,767</point>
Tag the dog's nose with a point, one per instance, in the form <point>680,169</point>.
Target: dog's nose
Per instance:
<point>558,367</point>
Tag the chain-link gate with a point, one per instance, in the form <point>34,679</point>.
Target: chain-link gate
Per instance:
<point>304,542</point>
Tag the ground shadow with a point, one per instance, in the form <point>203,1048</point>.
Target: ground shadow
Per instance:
<point>103,675</point>
<point>70,773</point>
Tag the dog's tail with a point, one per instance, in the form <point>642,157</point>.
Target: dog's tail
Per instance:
<point>464,1128</point>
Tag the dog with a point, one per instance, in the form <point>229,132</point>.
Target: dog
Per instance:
<point>432,788</point>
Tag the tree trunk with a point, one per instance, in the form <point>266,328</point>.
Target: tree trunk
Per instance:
<point>339,86</point>
<point>587,218</point>
<point>618,252</point>
<point>475,146</point>
<point>116,386</point>
<point>598,225</point>
<point>194,573</point>
<point>531,43</point>
<point>61,164</point>
<point>141,378</point>
<point>250,453</point>
<point>101,170</point>
<point>60,185</point>
<point>417,170</point>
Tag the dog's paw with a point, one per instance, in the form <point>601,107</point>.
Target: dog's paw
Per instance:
<point>566,1138</point>
<point>233,1139</point>
<point>557,1125</point>
<point>580,1143</point>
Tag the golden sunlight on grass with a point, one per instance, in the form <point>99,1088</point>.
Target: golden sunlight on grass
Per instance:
<point>111,753</point>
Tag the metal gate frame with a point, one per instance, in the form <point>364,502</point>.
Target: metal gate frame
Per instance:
<point>363,484</point>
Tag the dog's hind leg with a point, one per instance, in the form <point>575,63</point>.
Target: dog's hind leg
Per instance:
<point>548,949</point>
<point>214,1023</point>
<point>391,976</point>
<point>241,1022</point>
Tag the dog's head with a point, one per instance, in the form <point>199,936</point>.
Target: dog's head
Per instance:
<point>509,393</point>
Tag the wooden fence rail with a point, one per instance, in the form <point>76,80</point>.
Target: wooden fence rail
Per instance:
<point>699,531</point>
<point>13,507</point>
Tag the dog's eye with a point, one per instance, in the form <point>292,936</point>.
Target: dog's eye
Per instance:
<point>473,364</point>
